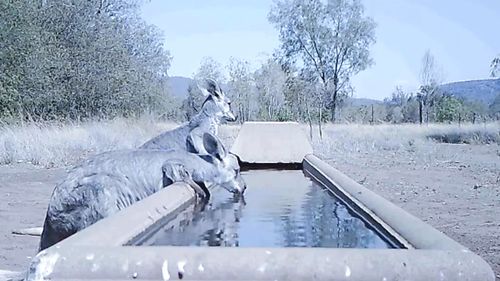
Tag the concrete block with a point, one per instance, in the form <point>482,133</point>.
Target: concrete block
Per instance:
<point>271,143</point>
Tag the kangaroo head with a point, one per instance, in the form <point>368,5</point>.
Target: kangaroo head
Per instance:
<point>226,164</point>
<point>216,104</point>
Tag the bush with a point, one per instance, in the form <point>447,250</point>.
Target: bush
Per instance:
<point>73,60</point>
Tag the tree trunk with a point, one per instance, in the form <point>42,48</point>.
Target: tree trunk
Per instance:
<point>420,112</point>
<point>334,103</point>
<point>333,112</point>
<point>310,121</point>
<point>319,122</point>
<point>371,122</point>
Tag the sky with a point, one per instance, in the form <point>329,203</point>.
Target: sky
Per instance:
<point>463,36</point>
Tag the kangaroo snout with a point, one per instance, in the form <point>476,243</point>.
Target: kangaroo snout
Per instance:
<point>242,186</point>
<point>231,117</point>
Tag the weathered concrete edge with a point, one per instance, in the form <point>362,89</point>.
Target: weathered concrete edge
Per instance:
<point>210,263</point>
<point>86,257</point>
<point>120,228</point>
<point>411,229</point>
<point>418,233</point>
<point>358,207</point>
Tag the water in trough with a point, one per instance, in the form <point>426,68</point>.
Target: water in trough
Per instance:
<point>281,208</point>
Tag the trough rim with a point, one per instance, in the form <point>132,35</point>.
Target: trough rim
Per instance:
<point>413,232</point>
<point>209,263</point>
<point>91,255</point>
<point>345,195</point>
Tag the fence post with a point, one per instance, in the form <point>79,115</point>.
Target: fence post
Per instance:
<point>371,122</point>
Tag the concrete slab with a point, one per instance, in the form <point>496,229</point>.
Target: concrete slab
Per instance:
<point>271,143</point>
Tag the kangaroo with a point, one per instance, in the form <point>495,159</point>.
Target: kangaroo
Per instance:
<point>108,182</point>
<point>215,108</point>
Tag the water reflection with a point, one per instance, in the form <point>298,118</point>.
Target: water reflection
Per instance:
<point>280,209</point>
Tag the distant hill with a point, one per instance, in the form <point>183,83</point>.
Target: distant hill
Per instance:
<point>483,91</point>
<point>178,86</point>
<point>362,101</point>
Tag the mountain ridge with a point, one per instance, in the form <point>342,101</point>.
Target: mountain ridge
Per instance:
<point>482,90</point>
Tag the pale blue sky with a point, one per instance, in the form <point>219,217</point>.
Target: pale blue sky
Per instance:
<point>463,35</point>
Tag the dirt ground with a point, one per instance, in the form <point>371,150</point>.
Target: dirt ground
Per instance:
<point>25,191</point>
<point>456,190</point>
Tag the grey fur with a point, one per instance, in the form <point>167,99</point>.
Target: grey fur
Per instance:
<point>215,108</point>
<point>108,182</point>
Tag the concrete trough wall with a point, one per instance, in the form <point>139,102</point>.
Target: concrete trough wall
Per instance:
<point>398,224</point>
<point>130,223</point>
<point>271,143</point>
<point>199,263</point>
<point>100,252</point>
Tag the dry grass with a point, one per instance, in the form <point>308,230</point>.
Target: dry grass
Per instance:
<point>65,144</point>
<point>346,140</point>
<point>58,145</point>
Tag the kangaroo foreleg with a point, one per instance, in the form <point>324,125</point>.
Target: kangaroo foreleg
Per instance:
<point>175,172</point>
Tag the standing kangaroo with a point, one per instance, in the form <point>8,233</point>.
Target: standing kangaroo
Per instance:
<point>108,182</point>
<point>215,108</point>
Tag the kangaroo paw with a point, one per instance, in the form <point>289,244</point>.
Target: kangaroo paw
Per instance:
<point>200,190</point>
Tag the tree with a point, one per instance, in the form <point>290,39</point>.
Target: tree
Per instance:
<point>448,109</point>
<point>430,79</point>
<point>395,104</point>
<point>495,66</point>
<point>297,102</point>
<point>330,40</point>
<point>240,90</point>
<point>210,68</point>
<point>193,102</point>
<point>270,82</point>
<point>494,108</point>
<point>80,59</point>
<point>402,106</point>
<point>411,109</point>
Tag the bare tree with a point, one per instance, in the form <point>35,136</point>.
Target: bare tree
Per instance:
<point>331,40</point>
<point>210,68</point>
<point>431,78</point>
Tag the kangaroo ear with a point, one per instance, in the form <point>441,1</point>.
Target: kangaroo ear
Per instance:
<point>190,147</point>
<point>213,146</point>
<point>203,91</point>
<point>213,88</point>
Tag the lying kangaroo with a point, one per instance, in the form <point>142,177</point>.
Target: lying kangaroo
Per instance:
<point>108,182</point>
<point>215,108</point>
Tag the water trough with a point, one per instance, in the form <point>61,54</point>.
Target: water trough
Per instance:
<point>117,248</point>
